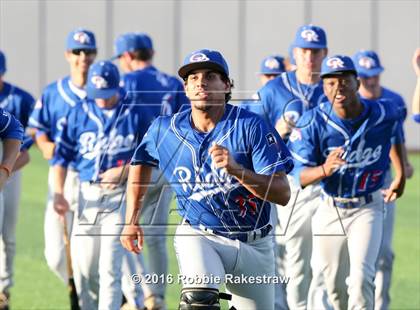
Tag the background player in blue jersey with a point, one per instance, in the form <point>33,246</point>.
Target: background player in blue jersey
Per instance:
<point>270,68</point>
<point>282,102</point>
<point>346,148</point>
<point>99,137</point>
<point>416,95</point>
<point>20,104</point>
<point>224,165</point>
<point>47,120</point>
<point>369,69</point>
<point>162,94</point>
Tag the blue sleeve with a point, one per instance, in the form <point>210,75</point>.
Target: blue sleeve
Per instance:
<point>416,118</point>
<point>10,127</point>
<point>40,117</point>
<point>66,143</point>
<point>26,143</point>
<point>304,145</point>
<point>397,136</point>
<point>26,108</point>
<point>269,153</point>
<point>146,153</point>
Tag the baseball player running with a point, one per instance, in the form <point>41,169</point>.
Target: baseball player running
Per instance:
<point>224,165</point>
<point>20,104</point>
<point>345,145</point>
<point>99,137</point>
<point>282,102</point>
<point>47,120</point>
<point>369,69</point>
<point>11,134</point>
<point>163,95</point>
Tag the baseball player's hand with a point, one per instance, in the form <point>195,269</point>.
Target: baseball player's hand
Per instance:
<point>61,206</point>
<point>132,238</point>
<point>416,62</point>
<point>222,159</point>
<point>112,178</point>
<point>333,162</point>
<point>47,148</point>
<point>284,126</point>
<point>394,190</point>
<point>3,178</point>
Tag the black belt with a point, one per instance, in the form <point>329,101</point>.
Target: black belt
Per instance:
<point>243,236</point>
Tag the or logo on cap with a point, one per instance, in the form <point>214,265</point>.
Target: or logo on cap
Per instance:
<point>335,63</point>
<point>199,57</point>
<point>367,62</point>
<point>309,35</point>
<point>272,63</point>
<point>99,82</point>
<point>81,37</point>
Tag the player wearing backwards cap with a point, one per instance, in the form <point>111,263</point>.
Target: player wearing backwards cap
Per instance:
<point>345,145</point>
<point>369,69</point>
<point>270,68</point>
<point>416,95</point>
<point>224,165</point>
<point>163,95</point>
<point>19,103</point>
<point>47,120</point>
<point>99,137</point>
<point>282,102</point>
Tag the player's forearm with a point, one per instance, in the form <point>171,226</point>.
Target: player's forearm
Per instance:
<point>138,181</point>
<point>60,174</point>
<point>22,160</point>
<point>45,145</point>
<point>274,188</point>
<point>397,158</point>
<point>11,148</point>
<point>311,175</point>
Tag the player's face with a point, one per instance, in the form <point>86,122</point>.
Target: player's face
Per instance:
<point>206,89</point>
<point>341,90</point>
<point>309,59</point>
<point>80,60</point>
<point>371,84</point>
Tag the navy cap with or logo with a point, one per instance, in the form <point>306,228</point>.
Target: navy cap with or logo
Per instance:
<point>81,39</point>
<point>103,80</point>
<point>310,36</point>
<point>367,64</point>
<point>337,65</point>
<point>203,59</point>
<point>272,65</point>
<point>2,63</point>
<point>146,40</point>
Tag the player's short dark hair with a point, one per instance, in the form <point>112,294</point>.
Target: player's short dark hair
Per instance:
<point>143,54</point>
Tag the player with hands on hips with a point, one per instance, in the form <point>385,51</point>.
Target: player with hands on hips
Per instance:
<point>225,165</point>
<point>345,146</point>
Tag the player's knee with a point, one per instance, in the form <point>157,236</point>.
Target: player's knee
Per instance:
<point>199,299</point>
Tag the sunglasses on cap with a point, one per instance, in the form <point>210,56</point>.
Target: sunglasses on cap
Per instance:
<point>87,52</point>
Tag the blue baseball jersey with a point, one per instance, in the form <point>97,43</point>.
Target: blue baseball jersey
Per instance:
<point>366,141</point>
<point>207,195</point>
<point>52,108</point>
<point>284,95</point>
<point>398,102</point>
<point>20,104</point>
<point>94,139</point>
<point>163,93</point>
<point>10,127</point>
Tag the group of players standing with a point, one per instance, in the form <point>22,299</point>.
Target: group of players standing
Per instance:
<point>225,165</point>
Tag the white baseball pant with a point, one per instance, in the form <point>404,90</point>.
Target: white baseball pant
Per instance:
<point>347,242</point>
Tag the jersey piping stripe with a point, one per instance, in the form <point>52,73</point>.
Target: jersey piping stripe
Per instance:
<point>278,163</point>
<point>9,119</point>
<point>63,94</point>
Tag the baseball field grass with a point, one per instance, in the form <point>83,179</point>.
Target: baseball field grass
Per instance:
<point>36,287</point>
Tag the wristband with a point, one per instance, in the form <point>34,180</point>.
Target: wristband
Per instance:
<point>5,168</point>
<point>323,170</point>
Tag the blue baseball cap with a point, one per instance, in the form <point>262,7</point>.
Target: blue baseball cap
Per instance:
<point>103,80</point>
<point>272,65</point>
<point>204,59</point>
<point>2,63</point>
<point>127,42</point>
<point>337,65</point>
<point>367,64</point>
<point>146,40</point>
<point>81,39</point>
<point>310,36</point>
